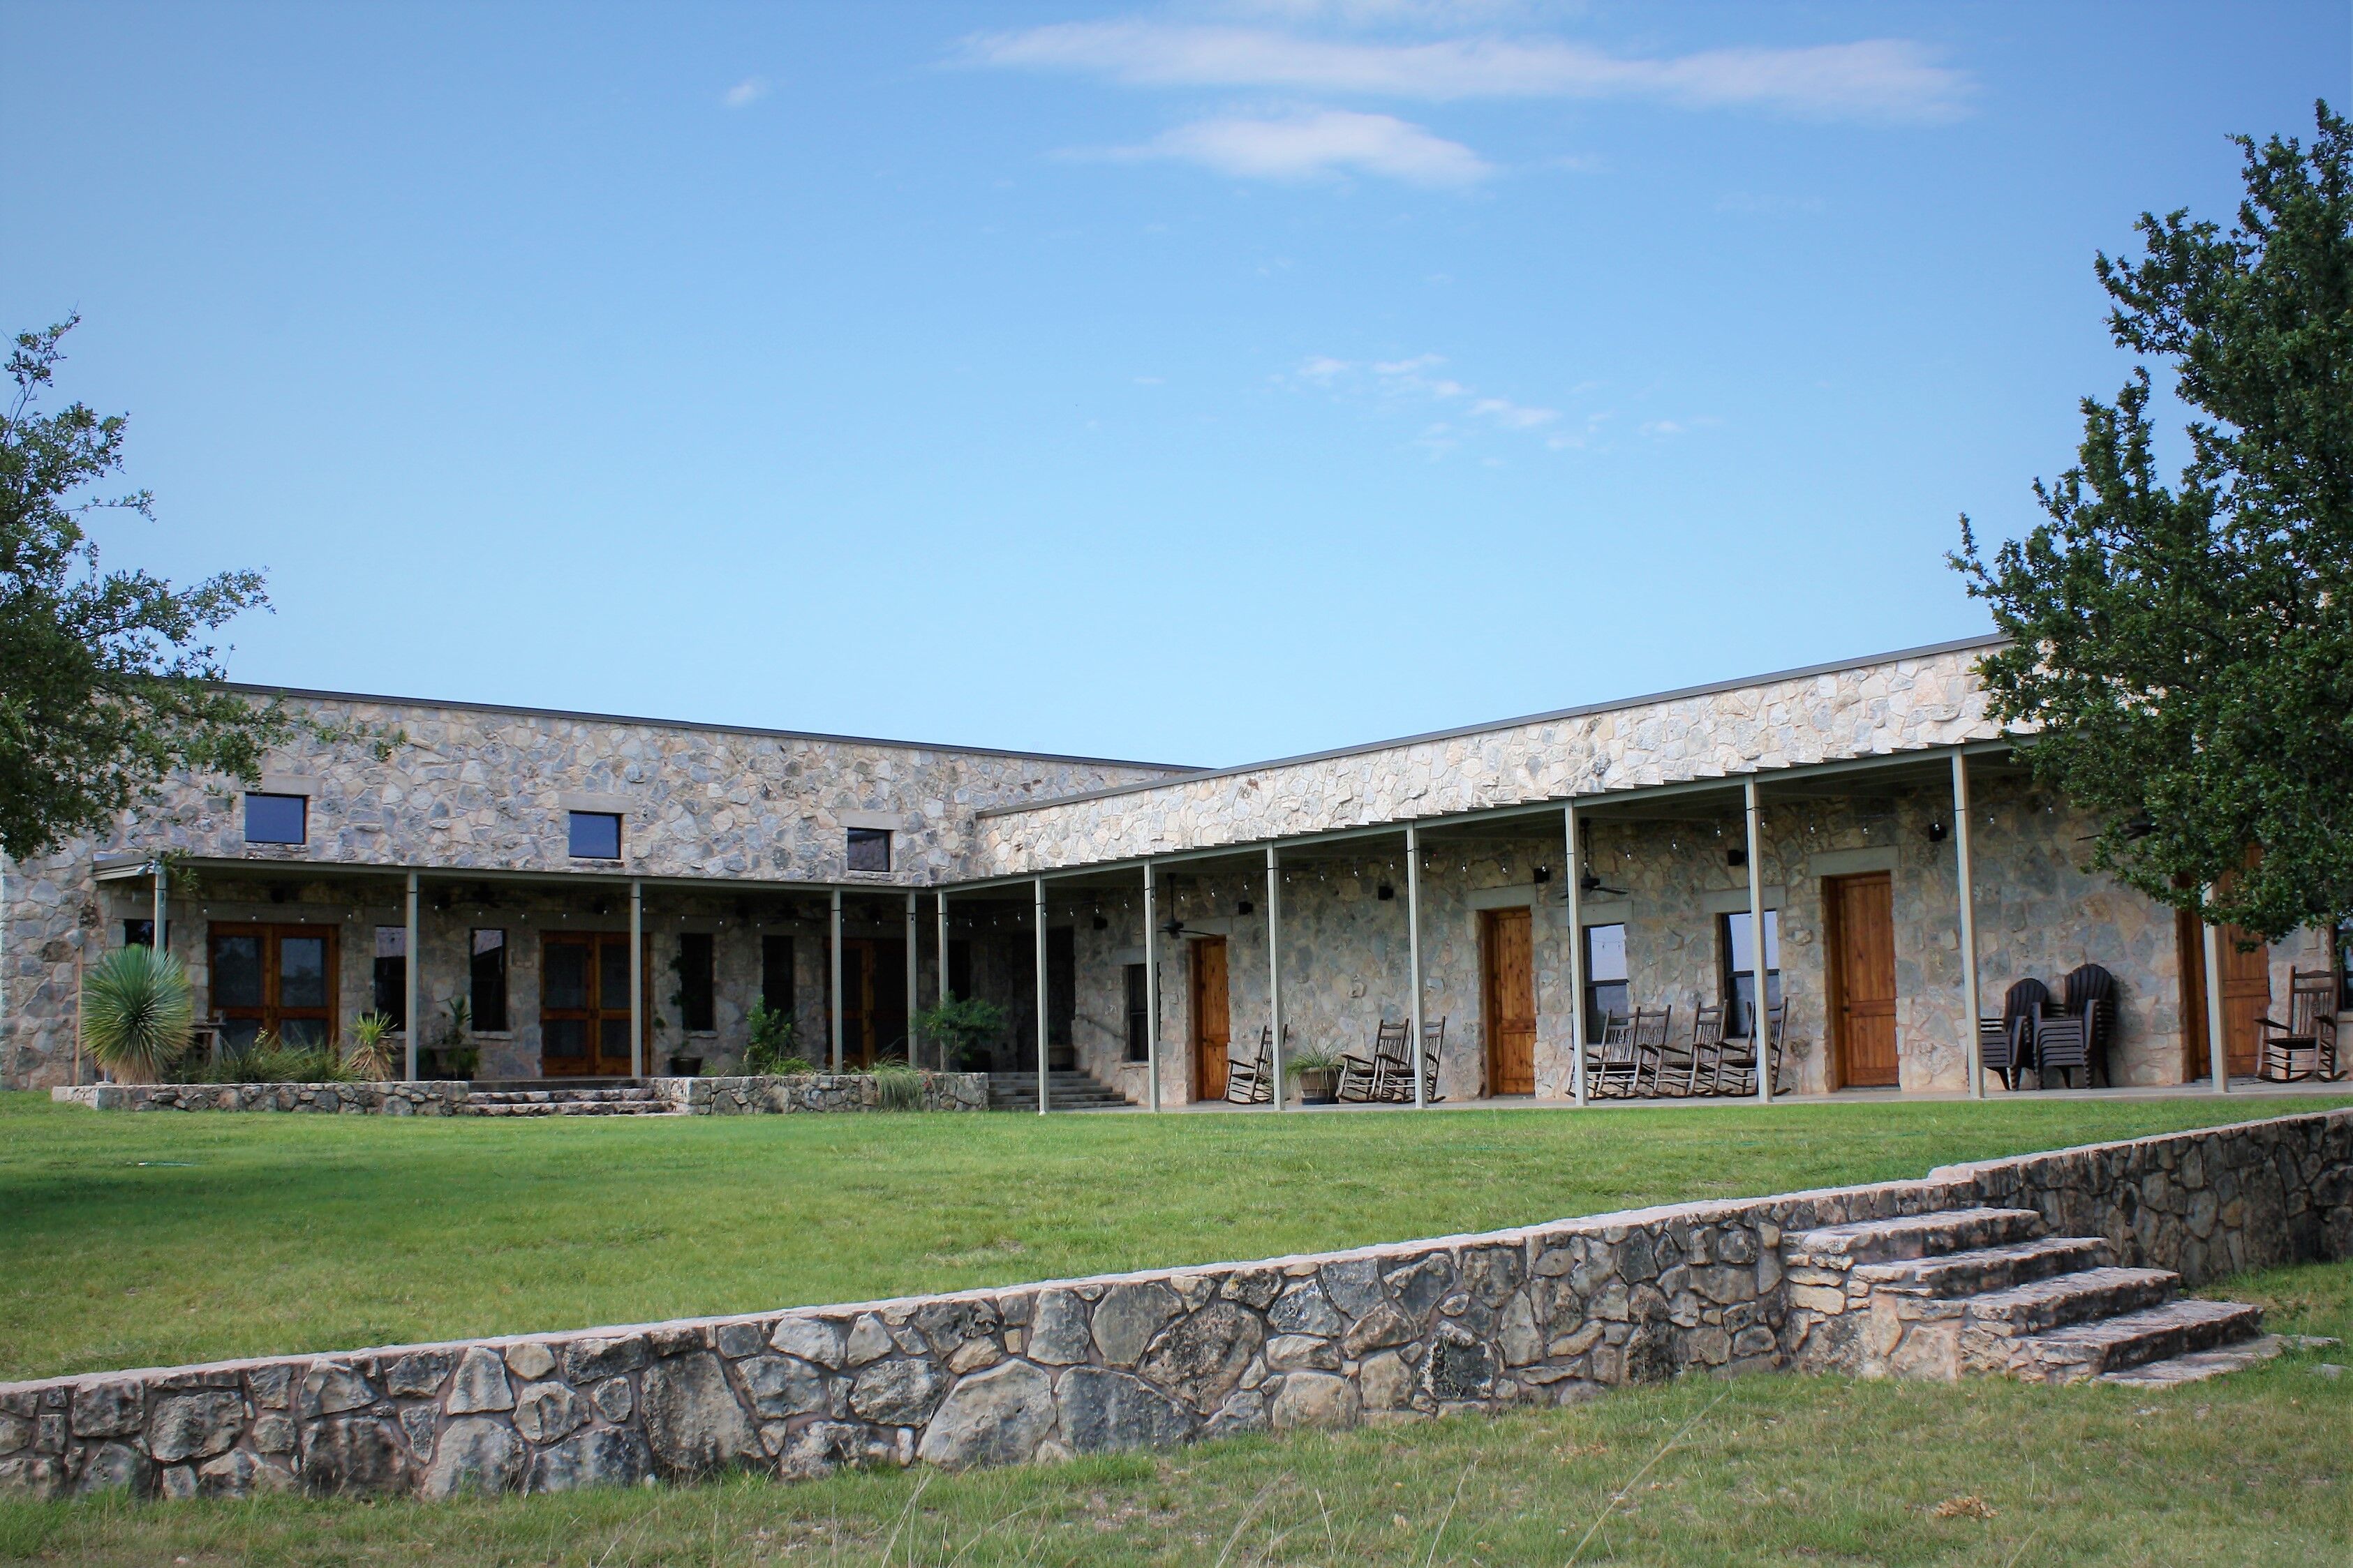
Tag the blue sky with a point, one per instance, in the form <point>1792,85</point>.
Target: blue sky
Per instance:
<point>1190,381</point>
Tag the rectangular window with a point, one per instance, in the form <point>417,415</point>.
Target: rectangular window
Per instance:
<point>489,1004</point>
<point>1139,1026</point>
<point>869,849</point>
<point>596,835</point>
<point>697,982</point>
<point>777,974</point>
<point>1605,976</point>
<point>1061,983</point>
<point>391,973</point>
<point>277,819</point>
<point>960,968</point>
<point>142,933</point>
<point>1740,970</point>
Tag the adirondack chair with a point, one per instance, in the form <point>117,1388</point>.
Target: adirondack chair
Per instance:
<point>2305,1046</point>
<point>1368,1078</point>
<point>1610,1062</point>
<point>1252,1082</point>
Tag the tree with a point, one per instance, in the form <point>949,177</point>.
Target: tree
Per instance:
<point>104,688</point>
<point>2185,654</point>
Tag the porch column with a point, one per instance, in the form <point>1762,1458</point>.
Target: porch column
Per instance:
<point>1151,989</point>
<point>942,897</point>
<point>1043,1099</point>
<point>410,1023</point>
<point>833,979</point>
<point>1274,964</point>
<point>915,989</point>
<point>637,979</point>
<point>162,900</point>
<point>1969,900</point>
<point>1413,960</point>
<point>1759,1026</point>
<point>1576,957</point>
<point>2218,1050</point>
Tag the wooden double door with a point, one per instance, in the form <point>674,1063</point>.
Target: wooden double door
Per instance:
<point>277,980</point>
<point>874,1020</point>
<point>1860,913</point>
<point>584,1005</point>
<point>1508,999</point>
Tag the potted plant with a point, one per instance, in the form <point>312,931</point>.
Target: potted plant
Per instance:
<point>137,1013</point>
<point>1318,1072</point>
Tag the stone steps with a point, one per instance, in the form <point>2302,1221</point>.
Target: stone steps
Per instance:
<point>1914,1237</point>
<point>1065,1090</point>
<point>629,1100</point>
<point>2082,1350</point>
<point>2199,1365</point>
<point>1986,1268</point>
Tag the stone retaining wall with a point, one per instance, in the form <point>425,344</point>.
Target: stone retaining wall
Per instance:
<point>1546,1314</point>
<point>694,1096</point>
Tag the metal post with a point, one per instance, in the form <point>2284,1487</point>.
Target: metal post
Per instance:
<point>1575,958</point>
<point>1274,965</point>
<point>833,980</point>
<point>1760,1025</point>
<point>162,902</point>
<point>411,1025</point>
<point>637,979</point>
<point>1151,989</point>
<point>914,987</point>
<point>2218,1054</point>
<point>943,973</point>
<point>1413,960</point>
<point>1043,1100</point>
<point>1969,902</point>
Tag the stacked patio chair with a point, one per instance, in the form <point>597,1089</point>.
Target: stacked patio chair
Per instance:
<point>1252,1082</point>
<point>1378,1078</point>
<point>1739,1076</point>
<point>2305,1045</point>
<point>1651,1025</point>
<point>1610,1062</point>
<point>2006,1042</point>
<point>2076,1039</point>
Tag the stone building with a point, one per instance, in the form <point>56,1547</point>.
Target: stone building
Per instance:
<point>493,879</point>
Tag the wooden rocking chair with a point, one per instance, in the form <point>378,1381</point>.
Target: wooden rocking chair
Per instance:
<point>1610,1063</point>
<point>2305,1045</point>
<point>1252,1082</point>
<point>1364,1079</point>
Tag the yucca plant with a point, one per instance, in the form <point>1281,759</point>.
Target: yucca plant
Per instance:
<point>136,1013</point>
<point>370,1055</point>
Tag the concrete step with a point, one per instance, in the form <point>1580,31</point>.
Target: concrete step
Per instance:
<point>2082,1351</point>
<point>1065,1091</point>
<point>1987,1268</point>
<point>1914,1235</point>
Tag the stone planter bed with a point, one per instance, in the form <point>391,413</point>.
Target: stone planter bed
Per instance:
<point>1548,1313</point>
<point>687,1095</point>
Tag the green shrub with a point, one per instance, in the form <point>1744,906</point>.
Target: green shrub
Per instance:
<point>964,1025</point>
<point>136,1013</point>
<point>370,1056</point>
<point>898,1087</point>
<point>773,1037</point>
<point>267,1060</point>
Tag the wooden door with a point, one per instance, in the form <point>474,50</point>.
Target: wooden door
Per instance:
<point>1212,1030</point>
<point>874,1002</point>
<point>1508,1000</point>
<point>584,1005</point>
<point>277,980</point>
<point>1862,977</point>
<point>2246,997</point>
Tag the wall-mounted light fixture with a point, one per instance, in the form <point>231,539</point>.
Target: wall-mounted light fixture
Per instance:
<point>1245,908</point>
<point>1542,874</point>
<point>1384,892</point>
<point>1735,856</point>
<point>1936,832</point>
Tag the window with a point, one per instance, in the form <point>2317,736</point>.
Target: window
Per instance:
<point>596,835</point>
<point>869,849</point>
<point>142,933</point>
<point>1740,970</point>
<point>697,982</point>
<point>489,1005</point>
<point>273,979</point>
<point>1605,976</point>
<point>1061,984</point>
<point>1139,1009</point>
<point>960,968</point>
<point>391,973</point>
<point>2344,964</point>
<point>777,974</point>
<point>277,819</point>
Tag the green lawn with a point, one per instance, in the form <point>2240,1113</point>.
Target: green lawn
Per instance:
<point>140,1239</point>
<point>2250,1469</point>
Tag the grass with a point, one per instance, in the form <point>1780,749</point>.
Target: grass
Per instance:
<point>155,1238</point>
<point>2250,1469</point>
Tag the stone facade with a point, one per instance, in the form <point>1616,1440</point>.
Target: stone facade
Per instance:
<point>762,1096</point>
<point>1546,1314</point>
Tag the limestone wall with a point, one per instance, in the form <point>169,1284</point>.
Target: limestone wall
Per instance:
<point>1545,1314</point>
<point>715,1096</point>
<point>1875,709</point>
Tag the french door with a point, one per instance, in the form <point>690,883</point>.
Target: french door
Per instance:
<point>584,1005</point>
<point>275,980</point>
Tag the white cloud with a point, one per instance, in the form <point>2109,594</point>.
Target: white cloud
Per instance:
<point>1405,385</point>
<point>1315,143</point>
<point>744,93</point>
<point>1876,78</point>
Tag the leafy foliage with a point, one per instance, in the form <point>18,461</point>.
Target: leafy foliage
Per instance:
<point>137,1012</point>
<point>771,1049</point>
<point>370,1053</point>
<point>268,1059</point>
<point>2187,652</point>
<point>964,1025</point>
